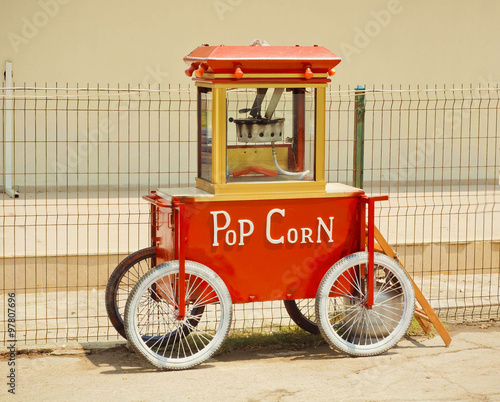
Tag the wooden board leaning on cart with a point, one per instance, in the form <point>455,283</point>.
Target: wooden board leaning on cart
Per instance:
<point>425,314</point>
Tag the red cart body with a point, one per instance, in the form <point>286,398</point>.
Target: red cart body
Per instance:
<point>275,250</point>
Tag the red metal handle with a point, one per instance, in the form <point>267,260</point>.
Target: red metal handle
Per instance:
<point>155,202</point>
<point>375,198</point>
<point>181,240</point>
<point>370,283</point>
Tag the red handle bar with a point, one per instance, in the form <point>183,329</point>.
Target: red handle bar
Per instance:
<point>155,202</point>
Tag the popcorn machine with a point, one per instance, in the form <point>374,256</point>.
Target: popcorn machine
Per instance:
<point>260,223</point>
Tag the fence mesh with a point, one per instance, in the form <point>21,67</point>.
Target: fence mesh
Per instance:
<point>75,162</point>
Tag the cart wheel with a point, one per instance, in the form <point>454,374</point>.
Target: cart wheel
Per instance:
<point>151,313</point>
<point>303,314</point>
<point>344,320</point>
<point>121,281</point>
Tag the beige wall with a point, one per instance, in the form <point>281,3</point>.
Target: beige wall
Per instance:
<point>382,41</point>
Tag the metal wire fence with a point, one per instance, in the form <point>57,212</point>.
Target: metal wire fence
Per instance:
<point>436,152</point>
<point>75,162</point>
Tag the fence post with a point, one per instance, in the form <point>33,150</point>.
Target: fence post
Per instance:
<point>9,139</point>
<point>359,136</point>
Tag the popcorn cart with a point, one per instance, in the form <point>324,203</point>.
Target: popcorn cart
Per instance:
<point>260,223</point>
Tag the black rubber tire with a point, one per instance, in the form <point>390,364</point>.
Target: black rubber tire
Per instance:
<point>296,312</point>
<point>122,280</point>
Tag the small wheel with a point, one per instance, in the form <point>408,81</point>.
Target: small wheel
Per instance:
<point>121,281</point>
<point>303,313</point>
<point>151,316</point>
<point>343,318</point>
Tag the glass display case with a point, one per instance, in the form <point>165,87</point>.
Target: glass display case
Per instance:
<point>270,135</point>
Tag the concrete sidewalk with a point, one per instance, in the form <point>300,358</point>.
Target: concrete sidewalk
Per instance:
<point>419,368</point>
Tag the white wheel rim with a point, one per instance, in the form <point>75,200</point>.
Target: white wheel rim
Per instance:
<point>346,321</point>
<point>152,318</point>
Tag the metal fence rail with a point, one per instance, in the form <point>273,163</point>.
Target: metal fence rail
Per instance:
<point>80,159</point>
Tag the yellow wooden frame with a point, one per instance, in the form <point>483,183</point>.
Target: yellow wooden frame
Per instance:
<point>219,136</point>
<point>320,133</point>
<point>262,189</point>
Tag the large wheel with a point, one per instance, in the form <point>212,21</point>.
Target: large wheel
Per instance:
<point>343,318</point>
<point>303,313</point>
<point>151,316</point>
<point>121,282</point>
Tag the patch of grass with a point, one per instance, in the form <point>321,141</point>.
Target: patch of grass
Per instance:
<point>292,338</point>
<point>416,329</point>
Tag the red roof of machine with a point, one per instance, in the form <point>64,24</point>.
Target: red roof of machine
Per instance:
<point>261,59</point>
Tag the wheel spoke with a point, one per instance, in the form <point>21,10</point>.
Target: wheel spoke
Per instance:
<point>389,299</point>
<point>373,330</point>
<point>386,317</point>
<point>348,324</point>
<point>203,302</point>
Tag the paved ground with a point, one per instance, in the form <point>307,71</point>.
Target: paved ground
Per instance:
<point>419,368</point>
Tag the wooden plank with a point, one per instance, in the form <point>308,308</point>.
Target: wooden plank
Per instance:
<point>423,320</point>
<point>421,314</point>
<point>424,324</point>
<point>433,318</point>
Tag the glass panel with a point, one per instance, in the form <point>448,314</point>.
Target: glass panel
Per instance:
<point>205,133</point>
<point>271,135</point>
